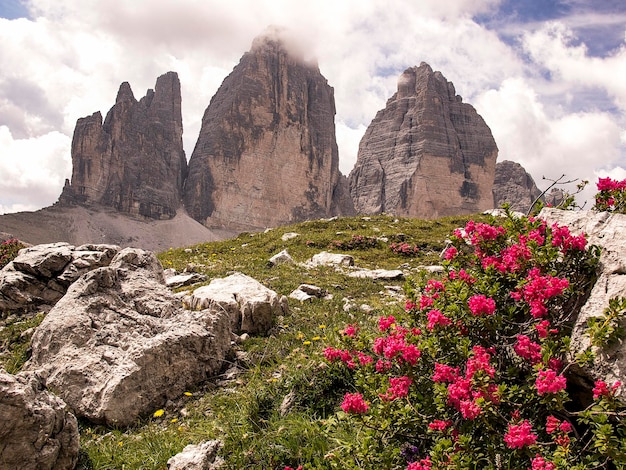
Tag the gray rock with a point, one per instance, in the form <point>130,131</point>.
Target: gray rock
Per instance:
<point>330,259</point>
<point>378,274</point>
<point>185,279</point>
<point>307,292</point>
<point>289,236</point>
<point>41,274</point>
<point>118,345</point>
<point>513,185</point>
<point>201,456</point>
<point>281,258</point>
<point>38,430</point>
<point>250,305</point>
<point>607,231</point>
<point>426,154</point>
<point>43,261</point>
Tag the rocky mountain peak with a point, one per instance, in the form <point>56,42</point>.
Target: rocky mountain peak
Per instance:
<point>133,162</point>
<point>125,93</point>
<point>514,185</point>
<point>426,154</point>
<point>267,154</point>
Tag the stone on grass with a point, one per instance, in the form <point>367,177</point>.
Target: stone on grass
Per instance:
<point>250,305</point>
<point>201,456</point>
<point>378,274</point>
<point>281,258</point>
<point>330,259</point>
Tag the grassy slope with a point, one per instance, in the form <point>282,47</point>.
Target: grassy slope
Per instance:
<point>245,413</point>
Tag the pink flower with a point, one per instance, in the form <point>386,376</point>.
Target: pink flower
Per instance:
<point>289,468</point>
<point>549,382</point>
<point>469,409</point>
<point>433,286</point>
<point>565,427</point>
<point>527,349</point>
<point>353,403</point>
<point>481,305</point>
<point>519,435</point>
<point>351,331</point>
<point>411,354</point>
<point>384,323</point>
<point>364,359</point>
<point>479,361</point>
<point>440,425</point>
<point>423,464</point>
<point>445,373</point>
<point>552,424</point>
<point>435,317</point>
<point>538,463</point>
<point>601,389</point>
<point>543,329</point>
<point>383,366</point>
<point>450,253</point>
<point>399,388</point>
<point>425,302</point>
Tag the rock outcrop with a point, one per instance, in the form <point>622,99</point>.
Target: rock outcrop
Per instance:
<point>41,274</point>
<point>267,154</point>
<point>119,344</point>
<point>513,185</point>
<point>426,154</point>
<point>134,161</point>
<point>607,231</point>
<point>38,430</point>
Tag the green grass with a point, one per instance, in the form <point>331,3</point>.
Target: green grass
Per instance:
<point>246,414</point>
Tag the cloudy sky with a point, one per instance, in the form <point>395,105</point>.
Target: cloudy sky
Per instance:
<point>548,76</point>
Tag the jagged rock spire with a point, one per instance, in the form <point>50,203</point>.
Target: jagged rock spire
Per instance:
<point>267,154</point>
<point>133,162</point>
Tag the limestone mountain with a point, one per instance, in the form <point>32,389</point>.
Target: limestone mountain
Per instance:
<point>133,162</point>
<point>267,154</point>
<point>514,185</point>
<point>426,154</point>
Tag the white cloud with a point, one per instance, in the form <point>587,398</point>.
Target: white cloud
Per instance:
<point>554,47</point>
<point>33,170</point>
<point>70,60</point>
<point>549,145</point>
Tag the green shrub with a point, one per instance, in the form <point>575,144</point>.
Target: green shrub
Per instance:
<point>8,251</point>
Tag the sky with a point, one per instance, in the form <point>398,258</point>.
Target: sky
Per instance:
<point>548,76</point>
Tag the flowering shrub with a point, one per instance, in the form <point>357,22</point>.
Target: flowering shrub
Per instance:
<point>611,196</point>
<point>357,242</point>
<point>8,251</point>
<point>472,373</point>
<point>404,249</point>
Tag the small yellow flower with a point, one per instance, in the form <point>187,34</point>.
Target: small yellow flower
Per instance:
<point>322,326</point>
<point>300,335</point>
<point>316,338</point>
<point>173,420</point>
<point>120,443</point>
<point>306,343</point>
<point>188,394</point>
<point>158,413</point>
